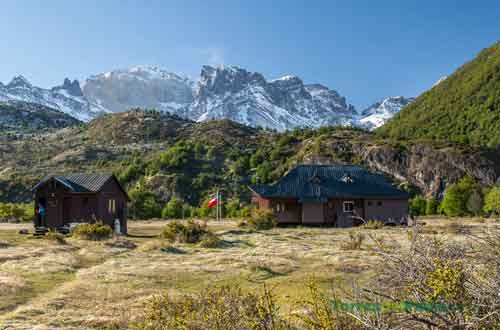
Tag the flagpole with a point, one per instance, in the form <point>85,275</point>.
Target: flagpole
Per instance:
<point>217,205</point>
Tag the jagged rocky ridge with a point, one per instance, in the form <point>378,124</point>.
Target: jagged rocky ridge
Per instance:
<point>67,98</point>
<point>227,92</point>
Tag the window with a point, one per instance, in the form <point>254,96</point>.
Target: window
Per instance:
<point>370,203</point>
<point>112,206</point>
<point>280,207</point>
<point>379,203</point>
<point>348,207</point>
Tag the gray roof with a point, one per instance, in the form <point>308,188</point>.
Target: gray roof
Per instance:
<point>320,182</point>
<point>79,182</point>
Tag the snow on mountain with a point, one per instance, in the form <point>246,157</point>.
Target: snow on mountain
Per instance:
<point>233,93</point>
<point>379,113</point>
<point>60,98</point>
<point>140,86</point>
<point>223,92</point>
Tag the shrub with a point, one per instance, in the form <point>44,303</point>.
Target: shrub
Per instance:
<point>191,232</point>
<point>417,205</point>
<point>210,240</point>
<point>143,204</point>
<point>355,241</point>
<point>462,198</point>
<point>93,231</point>
<point>16,212</point>
<point>262,220</point>
<point>224,308</point>
<point>373,224</point>
<point>492,201</point>
<point>173,209</point>
<point>431,206</point>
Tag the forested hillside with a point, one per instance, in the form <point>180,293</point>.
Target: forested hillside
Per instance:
<point>159,156</point>
<point>464,108</point>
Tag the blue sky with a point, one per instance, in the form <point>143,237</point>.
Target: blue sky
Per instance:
<point>364,49</point>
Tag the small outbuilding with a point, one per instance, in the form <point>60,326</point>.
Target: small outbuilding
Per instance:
<point>80,197</point>
<point>334,195</point>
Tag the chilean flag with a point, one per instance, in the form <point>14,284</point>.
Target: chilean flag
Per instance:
<point>213,202</point>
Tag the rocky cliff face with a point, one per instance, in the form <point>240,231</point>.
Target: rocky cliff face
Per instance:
<point>246,97</point>
<point>141,86</point>
<point>430,168</point>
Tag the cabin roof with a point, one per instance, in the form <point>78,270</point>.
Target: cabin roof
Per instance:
<point>320,182</point>
<point>81,182</point>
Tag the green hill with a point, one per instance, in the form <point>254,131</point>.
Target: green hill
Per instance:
<point>464,108</point>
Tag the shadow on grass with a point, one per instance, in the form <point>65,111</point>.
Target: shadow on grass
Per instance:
<point>225,244</point>
<point>141,236</point>
<point>262,272</point>
<point>173,249</point>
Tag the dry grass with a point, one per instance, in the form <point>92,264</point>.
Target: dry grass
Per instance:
<point>88,285</point>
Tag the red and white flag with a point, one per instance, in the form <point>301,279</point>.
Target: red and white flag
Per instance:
<point>213,202</point>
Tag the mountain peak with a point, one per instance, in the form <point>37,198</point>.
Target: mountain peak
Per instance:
<point>378,113</point>
<point>19,81</point>
<point>72,88</point>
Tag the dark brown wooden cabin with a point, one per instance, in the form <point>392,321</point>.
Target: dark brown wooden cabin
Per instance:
<point>80,197</point>
<point>334,195</point>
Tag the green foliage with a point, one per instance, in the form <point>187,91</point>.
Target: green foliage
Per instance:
<point>465,108</point>
<point>173,209</point>
<point>219,308</point>
<point>131,172</point>
<point>179,155</point>
<point>191,232</point>
<point>418,205</point>
<point>431,206</point>
<point>93,231</point>
<point>143,204</point>
<point>458,198</point>
<point>17,212</point>
<point>492,201</point>
<point>446,282</point>
<point>262,220</point>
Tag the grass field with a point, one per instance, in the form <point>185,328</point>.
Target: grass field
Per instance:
<point>85,284</point>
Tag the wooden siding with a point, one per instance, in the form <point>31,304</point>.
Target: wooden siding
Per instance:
<point>332,213</point>
<point>390,209</point>
<point>64,206</point>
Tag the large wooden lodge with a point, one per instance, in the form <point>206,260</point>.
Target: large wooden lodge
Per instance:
<point>334,195</point>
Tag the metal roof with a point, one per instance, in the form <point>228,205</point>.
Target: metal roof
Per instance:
<point>79,182</point>
<point>319,182</point>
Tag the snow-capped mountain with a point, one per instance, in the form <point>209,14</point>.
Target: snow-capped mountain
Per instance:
<point>247,97</point>
<point>66,98</point>
<point>379,113</point>
<point>223,92</point>
<point>140,86</point>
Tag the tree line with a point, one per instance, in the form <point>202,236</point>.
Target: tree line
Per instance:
<point>463,198</point>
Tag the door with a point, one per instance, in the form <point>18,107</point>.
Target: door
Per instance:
<point>67,210</point>
<point>330,213</point>
<point>312,213</point>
